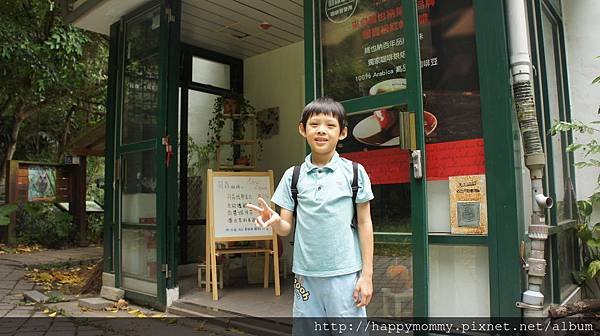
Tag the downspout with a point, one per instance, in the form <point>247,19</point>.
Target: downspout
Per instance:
<point>520,64</point>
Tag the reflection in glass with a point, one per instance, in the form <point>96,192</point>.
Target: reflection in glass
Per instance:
<point>139,254</point>
<point>140,78</point>
<point>138,197</point>
<point>559,159</point>
<point>392,280</point>
<point>567,249</point>
<point>390,209</point>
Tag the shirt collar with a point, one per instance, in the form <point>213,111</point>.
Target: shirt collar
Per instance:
<point>331,165</point>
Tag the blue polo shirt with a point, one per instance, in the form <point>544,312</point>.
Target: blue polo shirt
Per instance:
<point>324,244</point>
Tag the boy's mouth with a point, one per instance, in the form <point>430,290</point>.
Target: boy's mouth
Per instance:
<point>320,140</point>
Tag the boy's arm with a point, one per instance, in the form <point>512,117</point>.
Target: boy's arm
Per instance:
<point>364,286</point>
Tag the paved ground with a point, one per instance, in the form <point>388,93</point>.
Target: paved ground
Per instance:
<point>19,318</point>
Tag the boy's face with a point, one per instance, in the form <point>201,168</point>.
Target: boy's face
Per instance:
<point>322,133</point>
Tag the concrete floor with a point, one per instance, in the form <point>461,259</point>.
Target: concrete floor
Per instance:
<point>242,298</point>
<point>392,295</point>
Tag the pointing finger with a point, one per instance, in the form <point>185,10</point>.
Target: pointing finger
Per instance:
<point>263,204</point>
<point>254,207</point>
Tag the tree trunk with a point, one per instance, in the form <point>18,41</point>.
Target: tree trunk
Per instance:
<point>12,142</point>
<point>66,135</point>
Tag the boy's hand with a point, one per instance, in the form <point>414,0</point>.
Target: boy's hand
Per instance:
<point>267,216</point>
<point>364,287</point>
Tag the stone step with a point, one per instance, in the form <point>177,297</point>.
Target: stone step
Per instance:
<point>95,303</point>
<point>248,324</point>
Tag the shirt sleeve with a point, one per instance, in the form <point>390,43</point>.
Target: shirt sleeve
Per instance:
<point>283,193</point>
<point>364,193</point>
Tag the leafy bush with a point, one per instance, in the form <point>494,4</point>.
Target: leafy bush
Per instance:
<point>5,212</point>
<point>588,232</point>
<point>44,224</point>
<point>95,229</point>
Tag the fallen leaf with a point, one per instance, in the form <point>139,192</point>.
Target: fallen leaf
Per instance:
<point>52,315</point>
<point>46,311</point>
<point>135,311</point>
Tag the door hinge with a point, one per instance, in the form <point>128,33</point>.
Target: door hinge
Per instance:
<point>170,16</point>
<point>166,270</point>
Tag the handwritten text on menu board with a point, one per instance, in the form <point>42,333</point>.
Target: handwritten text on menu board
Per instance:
<point>230,195</point>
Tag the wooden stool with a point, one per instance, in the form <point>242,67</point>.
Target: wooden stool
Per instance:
<point>202,268</point>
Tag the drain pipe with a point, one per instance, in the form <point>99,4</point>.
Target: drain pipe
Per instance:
<point>520,64</point>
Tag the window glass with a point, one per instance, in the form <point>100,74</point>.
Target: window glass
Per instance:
<point>210,73</point>
<point>459,281</point>
<point>559,159</point>
<point>567,249</point>
<point>140,78</point>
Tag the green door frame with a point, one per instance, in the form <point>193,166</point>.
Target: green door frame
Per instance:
<point>167,126</point>
<point>412,96</point>
<point>502,153</point>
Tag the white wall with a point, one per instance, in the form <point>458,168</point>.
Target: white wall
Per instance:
<point>582,43</point>
<point>276,79</point>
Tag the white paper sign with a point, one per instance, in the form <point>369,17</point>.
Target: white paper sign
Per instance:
<point>230,195</point>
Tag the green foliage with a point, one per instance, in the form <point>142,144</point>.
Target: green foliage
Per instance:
<point>53,80</point>
<point>588,233</point>
<point>5,212</point>
<point>44,224</point>
<point>95,231</point>
<point>199,155</point>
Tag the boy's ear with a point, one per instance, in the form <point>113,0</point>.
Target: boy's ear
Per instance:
<point>301,130</point>
<point>343,133</point>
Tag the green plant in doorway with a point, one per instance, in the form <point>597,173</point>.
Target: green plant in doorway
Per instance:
<point>225,105</point>
<point>588,233</point>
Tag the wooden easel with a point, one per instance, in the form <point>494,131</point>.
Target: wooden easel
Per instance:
<point>249,183</point>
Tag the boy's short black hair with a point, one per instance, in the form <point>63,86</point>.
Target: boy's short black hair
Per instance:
<point>324,105</point>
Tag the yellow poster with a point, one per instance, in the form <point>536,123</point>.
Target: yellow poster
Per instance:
<point>468,205</point>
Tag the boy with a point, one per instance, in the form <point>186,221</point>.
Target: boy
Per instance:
<point>333,262</point>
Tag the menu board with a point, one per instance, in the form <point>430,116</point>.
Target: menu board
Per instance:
<point>355,42</point>
<point>229,195</point>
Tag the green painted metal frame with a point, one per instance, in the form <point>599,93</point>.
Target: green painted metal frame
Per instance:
<point>172,127</point>
<point>555,16</point>
<point>166,206</point>
<point>111,99</point>
<point>502,158</point>
<point>412,97</point>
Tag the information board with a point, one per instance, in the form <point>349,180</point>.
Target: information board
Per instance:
<point>230,195</point>
<point>228,220</point>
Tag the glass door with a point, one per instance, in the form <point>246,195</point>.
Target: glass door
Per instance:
<point>366,55</point>
<point>144,154</point>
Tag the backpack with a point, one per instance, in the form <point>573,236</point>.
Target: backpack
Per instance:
<point>294,188</point>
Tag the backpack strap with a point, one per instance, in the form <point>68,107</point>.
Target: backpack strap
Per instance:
<point>354,223</point>
<point>294,188</point>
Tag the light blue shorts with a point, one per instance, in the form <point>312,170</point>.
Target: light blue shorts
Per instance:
<point>322,299</point>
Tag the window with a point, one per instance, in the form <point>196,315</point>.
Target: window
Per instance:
<point>550,85</point>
